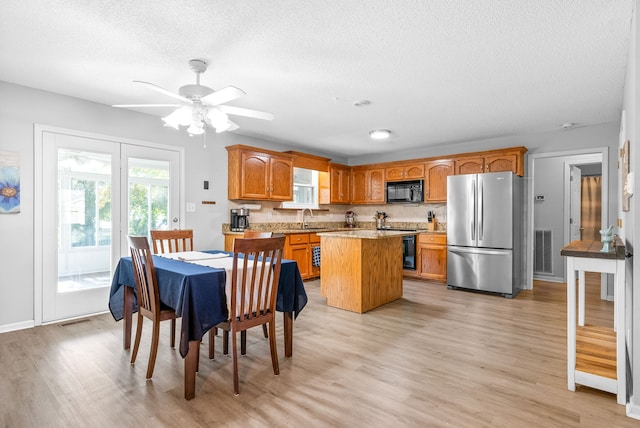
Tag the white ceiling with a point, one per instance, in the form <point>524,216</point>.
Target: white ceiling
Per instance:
<point>436,72</point>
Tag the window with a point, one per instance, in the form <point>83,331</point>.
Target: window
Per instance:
<point>305,189</point>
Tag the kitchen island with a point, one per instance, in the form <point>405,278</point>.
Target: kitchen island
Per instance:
<point>361,269</point>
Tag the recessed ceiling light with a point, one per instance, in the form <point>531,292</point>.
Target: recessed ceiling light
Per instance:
<point>361,103</point>
<point>379,134</point>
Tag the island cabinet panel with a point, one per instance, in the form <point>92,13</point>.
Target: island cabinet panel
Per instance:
<point>361,274</point>
<point>432,256</point>
<point>259,175</point>
<point>367,186</point>
<point>435,183</point>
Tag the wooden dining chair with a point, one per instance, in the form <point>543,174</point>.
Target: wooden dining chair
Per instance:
<point>172,241</point>
<point>251,298</point>
<point>149,304</point>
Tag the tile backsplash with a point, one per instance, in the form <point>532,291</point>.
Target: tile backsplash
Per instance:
<point>264,212</point>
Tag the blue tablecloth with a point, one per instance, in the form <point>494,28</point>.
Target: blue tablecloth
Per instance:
<point>197,293</point>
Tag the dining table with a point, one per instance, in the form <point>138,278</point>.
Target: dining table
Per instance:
<point>197,294</point>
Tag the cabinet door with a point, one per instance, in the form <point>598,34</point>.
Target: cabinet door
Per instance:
<point>435,184</point>
<point>499,163</point>
<point>281,179</point>
<point>359,188</point>
<point>470,165</point>
<point>300,253</point>
<point>254,175</point>
<point>432,261</point>
<point>340,184</point>
<point>394,173</point>
<point>376,186</point>
<point>414,172</point>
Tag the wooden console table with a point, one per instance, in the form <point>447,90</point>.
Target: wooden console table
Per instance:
<point>595,355</point>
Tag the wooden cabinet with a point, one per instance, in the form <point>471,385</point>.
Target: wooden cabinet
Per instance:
<point>435,183</point>
<point>340,183</point>
<point>256,174</point>
<point>432,256</point>
<point>367,185</point>
<point>405,172</point>
<point>492,161</point>
<point>299,247</point>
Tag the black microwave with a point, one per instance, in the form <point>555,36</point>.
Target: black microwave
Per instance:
<point>405,191</point>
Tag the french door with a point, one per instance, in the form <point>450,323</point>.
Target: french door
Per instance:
<point>95,192</point>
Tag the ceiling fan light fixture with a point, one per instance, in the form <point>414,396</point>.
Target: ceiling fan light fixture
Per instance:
<point>379,134</point>
<point>196,128</point>
<point>180,117</point>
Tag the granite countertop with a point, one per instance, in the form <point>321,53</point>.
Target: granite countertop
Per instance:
<point>291,228</point>
<point>366,234</point>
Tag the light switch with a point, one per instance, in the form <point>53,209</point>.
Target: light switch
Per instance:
<point>191,207</point>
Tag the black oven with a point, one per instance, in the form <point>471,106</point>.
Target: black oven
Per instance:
<point>409,252</point>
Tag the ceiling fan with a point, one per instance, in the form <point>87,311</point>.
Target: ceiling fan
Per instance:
<point>200,105</point>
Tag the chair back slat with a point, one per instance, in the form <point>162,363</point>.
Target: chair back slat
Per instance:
<point>172,241</point>
<point>145,274</point>
<point>255,275</point>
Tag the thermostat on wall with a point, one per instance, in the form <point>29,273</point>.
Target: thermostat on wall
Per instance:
<point>539,198</point>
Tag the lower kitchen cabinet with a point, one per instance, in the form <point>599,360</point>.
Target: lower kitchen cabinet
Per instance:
<point>299,247</point>
<point>432,256</point>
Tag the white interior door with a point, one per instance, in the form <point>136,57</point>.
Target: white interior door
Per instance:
<point>94,193</point>
<point>575,183</point>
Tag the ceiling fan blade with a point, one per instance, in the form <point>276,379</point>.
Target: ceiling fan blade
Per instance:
<point>233,126</point>
<point>164,91</point>
<point>222,96</point>
<point>239,111</point>
<point>145,105</point>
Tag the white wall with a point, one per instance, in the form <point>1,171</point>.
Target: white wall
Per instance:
<point>631,229</point>
<point>21,108</point>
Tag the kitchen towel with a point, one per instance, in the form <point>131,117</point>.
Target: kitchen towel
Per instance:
<point>315,256</point>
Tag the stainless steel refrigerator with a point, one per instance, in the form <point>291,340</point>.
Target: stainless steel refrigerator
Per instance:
<point>485,232</point>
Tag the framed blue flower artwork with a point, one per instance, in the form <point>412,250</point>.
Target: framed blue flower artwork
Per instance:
<point>9,182</point>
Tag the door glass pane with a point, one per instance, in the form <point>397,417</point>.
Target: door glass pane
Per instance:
<point>84,220</point>
<point>148,196</point>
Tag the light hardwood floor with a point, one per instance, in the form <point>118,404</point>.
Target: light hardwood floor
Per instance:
<point>436,357</point>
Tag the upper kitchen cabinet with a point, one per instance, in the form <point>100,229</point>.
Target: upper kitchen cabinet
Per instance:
<point>492,161</point>
<point>367,185</point>
<point>405,172</point>
<point>257,174</point>
<point>340,183</point>
<point>435,183</point>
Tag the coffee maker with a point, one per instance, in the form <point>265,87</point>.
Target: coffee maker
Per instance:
<point>350,219</point>
<point>239,219</point>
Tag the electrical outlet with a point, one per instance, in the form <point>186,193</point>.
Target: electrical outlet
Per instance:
<point>191,207</point>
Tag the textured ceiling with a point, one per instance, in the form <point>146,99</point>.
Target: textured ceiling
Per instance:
<point>436,72</point>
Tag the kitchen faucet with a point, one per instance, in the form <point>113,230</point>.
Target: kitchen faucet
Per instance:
<point>304,221</point>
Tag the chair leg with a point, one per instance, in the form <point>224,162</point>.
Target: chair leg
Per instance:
<point>264,331</point>
<point>154,348</point>
<point>243,342</point>
<point>173,333</point>
<point>225,342</point>
<point>236,383</point>
<point>136,342</point>
<point>274,349</point>
<point>212,343</point>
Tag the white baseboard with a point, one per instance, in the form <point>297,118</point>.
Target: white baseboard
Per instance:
<point>548,278</point>
<point>17,326</point>
<point>633,411</point>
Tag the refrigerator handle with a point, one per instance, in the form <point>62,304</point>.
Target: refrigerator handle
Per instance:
<point>473,204</point>
<point>480,210</point>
